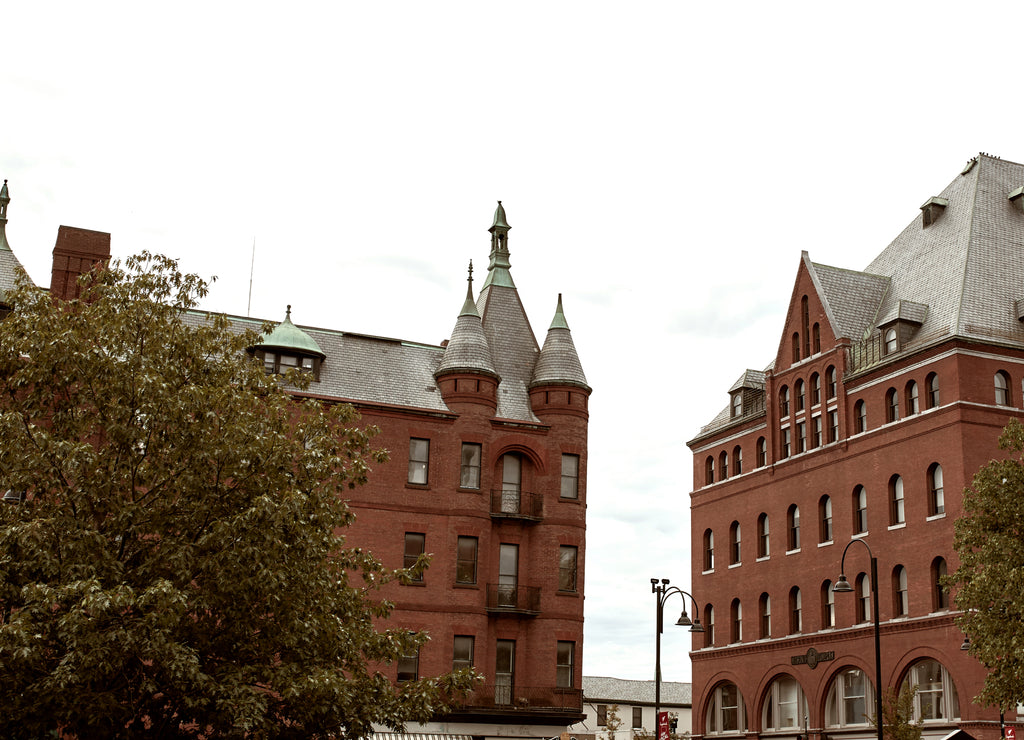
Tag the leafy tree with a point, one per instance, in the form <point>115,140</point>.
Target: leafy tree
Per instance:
<point>176,565</point>
<point>989,539</point>
<point>612,721</point>
<point>898,714</point>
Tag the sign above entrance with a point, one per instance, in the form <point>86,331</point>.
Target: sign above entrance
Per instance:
<point>812,657</point>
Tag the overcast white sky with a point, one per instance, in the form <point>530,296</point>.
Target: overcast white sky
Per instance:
<point>662,165</point>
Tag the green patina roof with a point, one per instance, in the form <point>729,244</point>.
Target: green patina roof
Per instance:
<point>500,221</point>
<point>287,335</point>
<point>5,198</point>
<point>559,322</point>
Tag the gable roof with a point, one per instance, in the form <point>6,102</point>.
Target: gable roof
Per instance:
<point>625,691</point>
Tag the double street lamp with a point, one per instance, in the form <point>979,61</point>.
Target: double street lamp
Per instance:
<point>843,586</point>
<point>662,592</point>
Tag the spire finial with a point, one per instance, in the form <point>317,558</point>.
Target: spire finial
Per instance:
<point>471,274</point>
<point>5,198</point>
<point>288,312</point>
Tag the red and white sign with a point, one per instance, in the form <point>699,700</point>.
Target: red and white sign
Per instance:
<point>663,726</point>
<point>1011,733</point>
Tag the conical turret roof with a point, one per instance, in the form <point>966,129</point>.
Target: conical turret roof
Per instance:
<point>288,336</point>
<point>558,363</point>
<point>9,264</point>
<point>468,350</point>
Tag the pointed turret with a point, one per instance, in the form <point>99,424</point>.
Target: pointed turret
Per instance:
<point>559,385</point>
<point>558,363</point>
<point>5,198</point>
<point>507,328</point>
<point>467,373</point>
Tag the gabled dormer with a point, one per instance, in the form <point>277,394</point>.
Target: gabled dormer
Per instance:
<point>810,327</point>
<point>746,396</point>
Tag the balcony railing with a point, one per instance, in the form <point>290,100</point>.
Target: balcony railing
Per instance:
<point>513,504</point>
<point>504,697</point>
<point>523,600</point>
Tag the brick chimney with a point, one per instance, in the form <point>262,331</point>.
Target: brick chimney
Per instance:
<point>76,252</point>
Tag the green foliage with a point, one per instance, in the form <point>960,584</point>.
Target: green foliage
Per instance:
<point>898,714</point>
<point>612,721</point>
<point>990,580</point>
<point>177,567</point>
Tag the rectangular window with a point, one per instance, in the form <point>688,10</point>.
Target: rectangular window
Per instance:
<point>638,717</point>
<point>469,475</point>
<point>801,437</point>
<point>570,476</point>
<point>415,545</point>
<point>786,442</point>
<point>465,560</point>
<point>602,715</point>
<point>564,667</point>
<point>504,672</point>
<point>409,666</point>
<point>508,574</point>
<point>419,460</point>
<point>833,426</point>
<point>462,653</point>
<point>816,436</point>
<point>566,568</point>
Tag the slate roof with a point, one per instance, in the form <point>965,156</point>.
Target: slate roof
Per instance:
<point>749,379</point>
<point>624,691</point>
<point>962,275</point>
<point>468,349</point>
<point>9,264</point>
<point>558,361</point>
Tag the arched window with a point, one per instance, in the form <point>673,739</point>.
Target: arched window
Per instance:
<point>764,613</point>
<point>1002,383</point>
<point>725,714</point>
<point>828,605</point>
<point>860,510</point>
<point>936,698</point>
<point>816,339</point>
<point>896,513</point>
<point>737,404</point>
<point>850,701</point>
<point>936,493</point>
<point>785,706</point>
<point>784,401</point>
<point>815,389</point>
<point>891,344</point>
<point>796,347</point>
<point>863,589</point>
<point>763,549</point>
<point>762,452</point>
<point>831,384</point>
<point>709,470</point>
<point>723,465</point>
<point>825,518</point>
<point>940,596</point>
<point>736,614</point>
<point>793,528</point>
<point>911,396</point>
<point>709,625</point>
<point>796,611</point>
<point>900,597</point>
<point>737,460</point>
<point>734,543</point>
<point>932,383</point>
<point>709,550</point>
<point>860,414</point>
<point>801,398</point>
<point>892,405</point>
<point>805,324</point>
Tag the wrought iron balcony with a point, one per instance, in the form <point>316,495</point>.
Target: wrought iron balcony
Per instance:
<point>504,599</point>
<point>506,697</point>
<point>507,503</point>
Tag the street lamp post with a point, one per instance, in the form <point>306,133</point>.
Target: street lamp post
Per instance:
<point>662,592</point>
<point>843,586</point>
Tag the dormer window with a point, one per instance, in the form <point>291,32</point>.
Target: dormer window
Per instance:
<point>288,347</point>
<point>278,363</point>
<point>737,405</point>
<point>891,341</point>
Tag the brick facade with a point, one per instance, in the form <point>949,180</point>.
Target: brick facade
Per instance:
<point>768,536</point>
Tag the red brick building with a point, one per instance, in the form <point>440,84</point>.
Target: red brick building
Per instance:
<point>888,392</point>
<point>488,442</point>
